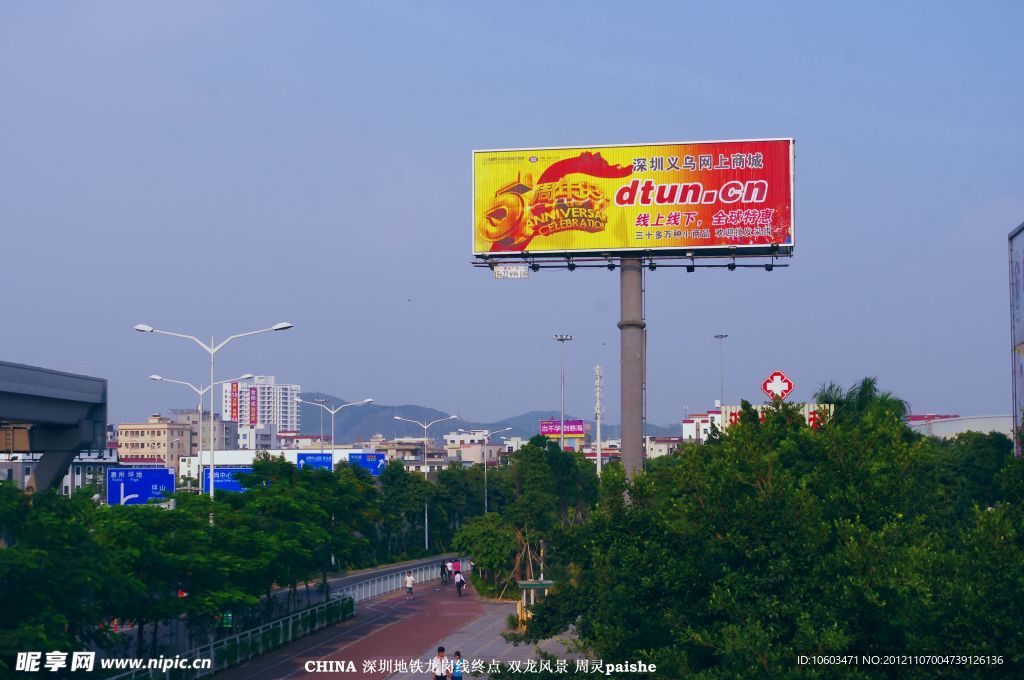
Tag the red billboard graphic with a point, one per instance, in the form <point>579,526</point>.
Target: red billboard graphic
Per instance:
<point>234,401</point>
<point>253,402</point>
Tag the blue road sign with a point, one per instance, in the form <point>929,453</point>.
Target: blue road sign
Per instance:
<point>224,478</point>
<point>374,462</point>
<point>324,461</point>
<point>136,486</point>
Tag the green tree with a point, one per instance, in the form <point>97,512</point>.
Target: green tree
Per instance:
<point>56,582</point>
<point>730,559</point>
<point>491,542</point>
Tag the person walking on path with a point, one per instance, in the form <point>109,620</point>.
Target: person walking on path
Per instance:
<point>458,665</point>
<point>409,581</point>
<point>448,566</point>
<point>444,576</point>
<point>440,668</point>
<point>460,582</point>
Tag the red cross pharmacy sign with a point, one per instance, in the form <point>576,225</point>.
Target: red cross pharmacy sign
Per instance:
<point>777,385</point>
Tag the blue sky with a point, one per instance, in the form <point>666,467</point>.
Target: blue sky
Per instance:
<point>212,168</point>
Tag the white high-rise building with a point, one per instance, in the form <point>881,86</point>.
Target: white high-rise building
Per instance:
<point>261,401</point>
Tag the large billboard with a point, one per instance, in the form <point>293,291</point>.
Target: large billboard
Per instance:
<point>234,401</point>
<point>574,429</point>
<point>1016,248</point>
<point>704,198</point>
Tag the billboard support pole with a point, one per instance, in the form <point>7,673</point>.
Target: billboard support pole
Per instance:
<point>631,334</point>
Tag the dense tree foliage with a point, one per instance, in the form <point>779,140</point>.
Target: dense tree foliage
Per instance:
<point>69,568</point>
<point>725,560</point>
<point>775,540</point>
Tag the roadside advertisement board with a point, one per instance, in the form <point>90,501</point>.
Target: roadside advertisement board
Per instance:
<point>709,198</point>
<point>811,412</point>
<point>574,429</point>
<point>234,401</point>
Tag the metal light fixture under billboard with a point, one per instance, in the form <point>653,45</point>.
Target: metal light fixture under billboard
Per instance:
<point>571,264</point>
<point>535,267</point>
<point>731,266</point>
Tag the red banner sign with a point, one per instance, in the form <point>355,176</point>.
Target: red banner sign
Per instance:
<point>254,396</point>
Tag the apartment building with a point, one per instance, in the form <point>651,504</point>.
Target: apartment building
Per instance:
<point>158,441</point>
<point>261,401</point>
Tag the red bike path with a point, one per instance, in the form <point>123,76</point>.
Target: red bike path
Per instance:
<point>387,628</point>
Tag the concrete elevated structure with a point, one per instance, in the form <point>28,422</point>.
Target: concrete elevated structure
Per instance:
<point>64,413</point>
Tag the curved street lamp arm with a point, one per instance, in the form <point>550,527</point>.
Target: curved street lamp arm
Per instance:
<point>235,337</point>
<point>195,389</point>
<point>439,420</point>
<point>187,337</point>
<point>333,411</point>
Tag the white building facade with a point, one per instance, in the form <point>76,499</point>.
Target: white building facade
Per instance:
<point>261,401</point>
<point>258,437</point>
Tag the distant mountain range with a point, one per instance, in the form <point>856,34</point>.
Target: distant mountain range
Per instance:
<point>359,423</point>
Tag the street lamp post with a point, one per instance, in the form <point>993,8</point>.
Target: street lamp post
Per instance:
<point>721,368</point>
<point>425,426</point>
<point>321,403</point>
<point>332,411</point>
<point>212,350</point>
<point>562,339</point>
<point>484,457</point>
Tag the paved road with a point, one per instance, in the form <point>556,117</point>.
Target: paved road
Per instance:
<point>388,628</point>
<point>481,639</point>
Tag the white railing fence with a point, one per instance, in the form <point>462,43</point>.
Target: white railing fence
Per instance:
<point>389,583</point>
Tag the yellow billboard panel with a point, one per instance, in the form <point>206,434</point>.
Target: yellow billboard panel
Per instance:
<point>711,198</point>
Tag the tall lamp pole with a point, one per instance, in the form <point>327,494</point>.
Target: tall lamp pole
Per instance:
<point>332,411</point>
<point>425,426</point>
<point>721,368</point>
<point>484,456</point>
<point>320,402</point>
<point>562,339</point>
<point>212,350</point>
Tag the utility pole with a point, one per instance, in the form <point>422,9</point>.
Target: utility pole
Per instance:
<point>320,402</point>
<point>562,339</point>
<point>597,413</point>
<point>721,368</point>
